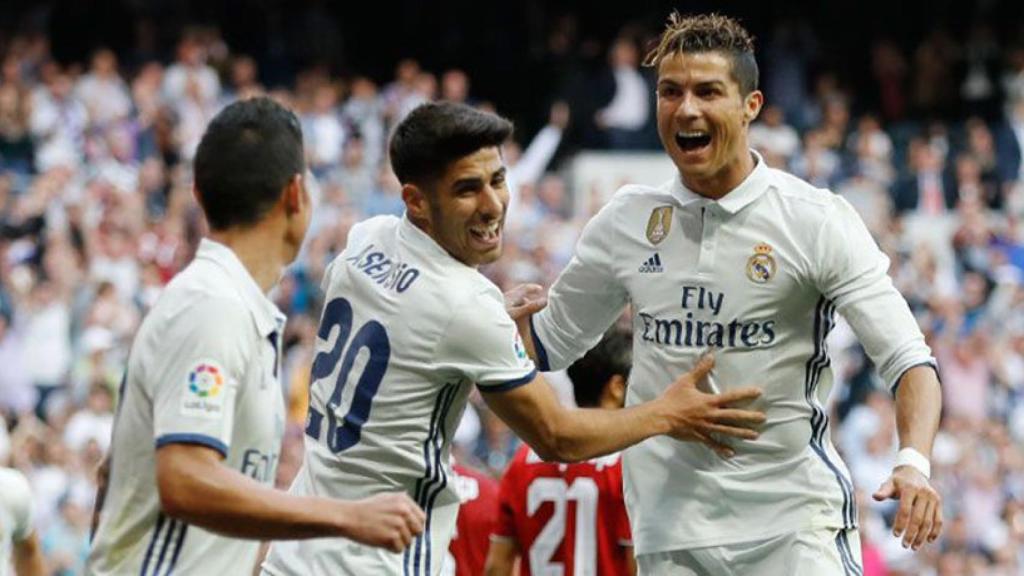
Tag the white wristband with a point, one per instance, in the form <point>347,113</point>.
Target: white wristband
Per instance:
<point>914,459</point>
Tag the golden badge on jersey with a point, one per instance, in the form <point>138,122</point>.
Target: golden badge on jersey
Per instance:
<point>659,224</point>
<point>761,266</point>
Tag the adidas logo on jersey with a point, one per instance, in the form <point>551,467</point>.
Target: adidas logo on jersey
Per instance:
<point>652,265</point>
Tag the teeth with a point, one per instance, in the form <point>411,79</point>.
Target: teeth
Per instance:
<point>486,232</point>
<point>694,134</point>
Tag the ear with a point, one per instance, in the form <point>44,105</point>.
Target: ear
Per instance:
<point>752,105</point>
<point>295,196</point>
<point>614,395</point>
<point>417,205</point>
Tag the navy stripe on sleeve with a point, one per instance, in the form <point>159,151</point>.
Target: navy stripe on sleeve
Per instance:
<point>200,439</point>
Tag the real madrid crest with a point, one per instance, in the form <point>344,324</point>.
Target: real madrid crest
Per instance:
<point>660,223</point>
<point>761,266</point>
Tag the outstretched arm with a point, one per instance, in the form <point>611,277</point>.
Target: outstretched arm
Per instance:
<point>572,435</point>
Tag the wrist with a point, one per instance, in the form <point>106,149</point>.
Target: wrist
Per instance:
<point>914,459</point>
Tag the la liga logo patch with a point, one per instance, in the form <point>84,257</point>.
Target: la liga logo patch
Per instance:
<point>204,391</point>
<point>205,381</point>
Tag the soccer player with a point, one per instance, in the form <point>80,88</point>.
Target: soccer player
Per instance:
<point>201,416</point>
<point>478,514</point>
<point>409,325</point>
<point>751,263</point>
<point>570,518</point>
<point>19,543</point>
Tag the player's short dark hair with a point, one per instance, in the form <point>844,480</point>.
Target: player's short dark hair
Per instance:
<point>612,356</point>
<point>248,154</point>
<point>709,33</point>
<point>436,134</point>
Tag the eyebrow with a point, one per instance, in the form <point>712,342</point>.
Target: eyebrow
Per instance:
<point>476,180</point>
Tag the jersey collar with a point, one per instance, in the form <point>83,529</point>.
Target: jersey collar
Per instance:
<point>738,198</point>
<point>268,317</point>
<point>417,237</point>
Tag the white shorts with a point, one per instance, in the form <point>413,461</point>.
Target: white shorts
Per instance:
<point>816,552</point>
<point>340,557</point>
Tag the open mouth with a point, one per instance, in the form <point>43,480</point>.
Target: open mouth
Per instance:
<point>693,141</point>
<point>486,234</point>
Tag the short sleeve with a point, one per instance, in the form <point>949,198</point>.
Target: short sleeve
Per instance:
<point>195,394</point>
<point>853,274</point>
<point>483,345</point>
<point>585,299</point>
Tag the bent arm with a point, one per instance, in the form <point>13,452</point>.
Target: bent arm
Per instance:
<point>195,486</point>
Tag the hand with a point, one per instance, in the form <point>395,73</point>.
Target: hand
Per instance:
<point>559,116</point>
<point>386,521</point>
<point>525,300</point>
<point>694,415</point>
<point>920,513</point>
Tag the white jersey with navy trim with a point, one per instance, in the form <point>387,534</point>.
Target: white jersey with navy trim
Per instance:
<point>203,369</point>
<point>406,332</point>
<point>15,515</point>
<point>755,277</point>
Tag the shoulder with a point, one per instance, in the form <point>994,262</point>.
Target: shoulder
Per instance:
<point>372,227</point>
<point>801,201</point>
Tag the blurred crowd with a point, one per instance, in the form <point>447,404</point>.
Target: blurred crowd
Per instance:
<point>97,214</point>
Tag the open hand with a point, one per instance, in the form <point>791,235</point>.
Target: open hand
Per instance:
<point>695,415</point>
<point>920,514</point>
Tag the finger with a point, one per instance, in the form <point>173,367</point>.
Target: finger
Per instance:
<point>917,516</point>
<point>739,395</point>
<point>903,515</point>
<point>704,365</point>
<point>723,450</point>
<point>925,525</point>
<point>885,491</point>
<point>936,522</point>
<point>744,433</point>
<point>737,416</point>
<point>415,520</point>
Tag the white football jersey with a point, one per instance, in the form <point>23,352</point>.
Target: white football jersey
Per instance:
<point>203,369</point>
<point>406,331</point>
<point>15,515</point>
<point>755,278</point>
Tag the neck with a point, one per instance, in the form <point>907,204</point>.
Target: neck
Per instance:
<point>263,258</point>
<point>718,185</point>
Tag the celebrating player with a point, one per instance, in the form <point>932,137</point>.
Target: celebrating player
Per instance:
<point>751,263</point>
<point>201,416</point>
<point>410,325</point>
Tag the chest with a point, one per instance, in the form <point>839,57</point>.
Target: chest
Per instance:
<point>259,416</point>
<point>728,277</point>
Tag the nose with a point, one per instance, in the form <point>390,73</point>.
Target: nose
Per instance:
<point>492,202</point>
<point>688,108</point>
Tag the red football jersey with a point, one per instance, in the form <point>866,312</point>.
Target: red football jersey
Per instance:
<point>567,514</point>
<point>478,515</point>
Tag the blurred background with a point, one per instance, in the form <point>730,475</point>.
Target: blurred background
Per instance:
<point>913,111</point>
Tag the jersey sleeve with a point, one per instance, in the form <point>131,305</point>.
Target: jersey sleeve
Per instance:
<point>482,344</point>
<point>853,274</point>
<point>195,393</point>
<point>585,299</point>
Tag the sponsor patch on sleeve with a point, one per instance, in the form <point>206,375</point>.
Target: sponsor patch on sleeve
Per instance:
<point>204,390</point>
<point>519,349</point>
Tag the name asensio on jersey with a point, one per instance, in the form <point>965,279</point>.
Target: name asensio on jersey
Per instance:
<point>690,331</point>
<point>388,273</point>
